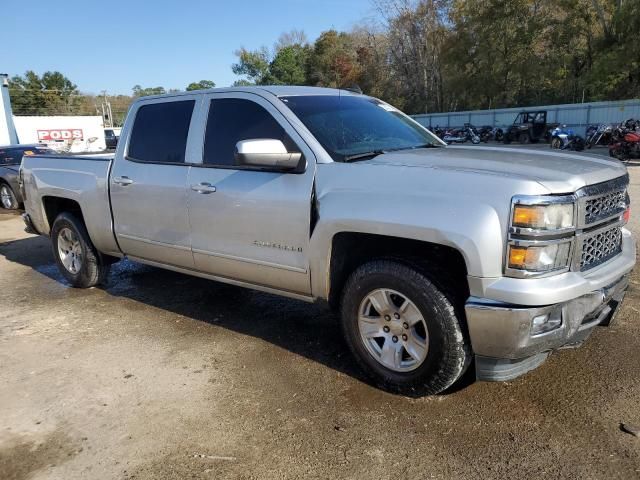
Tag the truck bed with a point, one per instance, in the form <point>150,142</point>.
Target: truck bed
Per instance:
<point>83,179</point>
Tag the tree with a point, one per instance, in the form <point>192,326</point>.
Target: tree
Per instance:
<point>253,64</point>
<point>138,91</point>
<point>333,61</point>
<point>286,65</point>
<point>50,94</point>
<point>201,85</point>
<point>289,65</point>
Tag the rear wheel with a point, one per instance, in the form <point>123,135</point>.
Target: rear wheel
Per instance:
<point>403,331</point>
<point>78,260</point>
<point>8,197</point>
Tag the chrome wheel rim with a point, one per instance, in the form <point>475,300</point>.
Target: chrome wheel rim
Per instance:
<point>70,250</point>
<point>5,195</point>
<point>393,330</point>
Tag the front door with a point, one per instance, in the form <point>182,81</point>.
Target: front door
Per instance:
<point>246,224</point>
<point>149,184</point>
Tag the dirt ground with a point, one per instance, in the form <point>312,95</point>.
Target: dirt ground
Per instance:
<point>160,375</point>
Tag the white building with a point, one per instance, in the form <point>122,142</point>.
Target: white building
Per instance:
<point>65,133</point>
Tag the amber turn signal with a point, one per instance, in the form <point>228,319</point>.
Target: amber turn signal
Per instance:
<point>528,215</point>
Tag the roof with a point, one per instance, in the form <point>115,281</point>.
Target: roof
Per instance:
<point>277,90</point>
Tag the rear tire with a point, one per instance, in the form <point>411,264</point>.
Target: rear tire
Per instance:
<point>8,197</point>
<point>78,260</point>
<point>414,348</point>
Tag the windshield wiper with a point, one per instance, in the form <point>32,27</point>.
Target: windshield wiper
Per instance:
<point>360,156</point>
<point>375,153</point>
<point>424,145</point>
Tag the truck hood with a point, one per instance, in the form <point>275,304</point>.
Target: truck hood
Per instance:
<point>559,172</point>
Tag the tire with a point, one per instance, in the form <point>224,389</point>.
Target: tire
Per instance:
<point>447,354</point>
<point>8,197</point>
<point>524,138</point>
<point>556,143</point>
<point>88,268</point>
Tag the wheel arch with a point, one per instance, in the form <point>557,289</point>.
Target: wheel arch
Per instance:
<point>53,206</point>
<point>349,250</point>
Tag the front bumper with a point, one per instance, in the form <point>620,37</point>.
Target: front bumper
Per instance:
<point>501,333</point>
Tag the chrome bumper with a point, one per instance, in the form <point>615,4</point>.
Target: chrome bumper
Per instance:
<point>501,333</point>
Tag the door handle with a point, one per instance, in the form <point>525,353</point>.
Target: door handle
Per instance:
<point>124,181</point>
<point>204,188</point>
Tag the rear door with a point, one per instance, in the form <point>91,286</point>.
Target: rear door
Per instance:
<point>248,224</point>
<point>148,183</point>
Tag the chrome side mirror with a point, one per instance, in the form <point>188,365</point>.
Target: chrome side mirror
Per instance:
<point>267,153</point>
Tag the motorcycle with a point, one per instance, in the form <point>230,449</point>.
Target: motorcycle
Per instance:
<point>454,136</point>
<point>439,132</point>
<point>598,135</point>
<point>462,135</point>
<point>563,138</point>
<point>488,133</point>
<point>625,144</point>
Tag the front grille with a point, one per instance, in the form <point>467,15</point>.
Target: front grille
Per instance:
<point>600,247</point>
<point>604,206</point>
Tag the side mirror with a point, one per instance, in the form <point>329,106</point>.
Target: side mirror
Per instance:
<point>267,153</point>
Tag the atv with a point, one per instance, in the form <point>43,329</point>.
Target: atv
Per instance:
<point>529,127</point>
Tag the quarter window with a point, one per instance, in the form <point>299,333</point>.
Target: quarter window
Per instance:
<point>160,132</point>
<point>234,119</point>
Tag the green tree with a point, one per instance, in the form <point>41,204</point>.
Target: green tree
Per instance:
<point>201,85</point>
<point>49,94</point>
<point>289,66</point>
<point>138,91</point>
<point>253,64</point>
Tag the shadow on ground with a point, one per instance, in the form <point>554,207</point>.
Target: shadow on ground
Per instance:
<point>309,330</point>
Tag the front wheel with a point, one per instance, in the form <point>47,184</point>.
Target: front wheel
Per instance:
<point>8,198</point>
<point>524,138</point>
<point>78,260</point>
<point>556,143</point>
<point>403,331</point>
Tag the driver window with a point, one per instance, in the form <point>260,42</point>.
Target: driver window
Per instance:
<point>234,119</point>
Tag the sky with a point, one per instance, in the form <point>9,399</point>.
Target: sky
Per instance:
<point>113,45</point>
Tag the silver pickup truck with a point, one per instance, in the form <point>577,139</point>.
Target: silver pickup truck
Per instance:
<point>437,257</point>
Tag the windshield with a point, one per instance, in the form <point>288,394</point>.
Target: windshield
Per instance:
<point>349,127</point>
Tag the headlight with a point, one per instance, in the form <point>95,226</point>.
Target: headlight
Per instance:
<point>555,216</point>
<point>539,258</point>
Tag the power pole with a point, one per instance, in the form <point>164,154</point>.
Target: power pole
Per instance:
<point>107,115</point>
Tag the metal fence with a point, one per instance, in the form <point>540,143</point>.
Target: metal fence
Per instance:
<point>576,116</point>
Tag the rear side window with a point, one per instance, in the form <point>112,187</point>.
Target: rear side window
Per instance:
<point>160,132</point>
<point>234,119</point>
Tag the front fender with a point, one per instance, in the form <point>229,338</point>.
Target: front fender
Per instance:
<point>462,210</point>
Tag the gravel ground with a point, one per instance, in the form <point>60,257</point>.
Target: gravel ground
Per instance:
<point>160,375</point>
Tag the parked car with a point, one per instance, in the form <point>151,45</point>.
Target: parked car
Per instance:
<point>111,136</point>
<point>437,257</point>
<point>10,158</point>
<point>529,127</point>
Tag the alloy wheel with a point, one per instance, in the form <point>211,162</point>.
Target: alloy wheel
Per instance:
<point>70,250</point>
<point>393,330</point>
<point>6,197</point>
